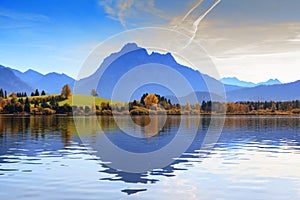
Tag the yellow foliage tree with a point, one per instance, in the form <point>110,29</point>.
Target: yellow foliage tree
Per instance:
<point>66,91</point>
<point>13,95</point>
<point>150,100</point>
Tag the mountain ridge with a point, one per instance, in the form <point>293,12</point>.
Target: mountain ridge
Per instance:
<point>122,62</point>
<point>117,64</point>
<point>30,80</point>
<point>11,83</point>
<point>237,82</point>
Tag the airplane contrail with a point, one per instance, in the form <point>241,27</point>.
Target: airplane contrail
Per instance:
<point>196,23</point>
<point>189,12</point>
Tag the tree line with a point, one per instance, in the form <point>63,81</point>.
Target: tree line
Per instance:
<point>3,94</point>
<point>157,103</point>
<point>40,103</point>
<point>37,104</point>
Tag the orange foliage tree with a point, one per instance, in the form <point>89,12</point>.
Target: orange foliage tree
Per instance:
<point>150,100</point>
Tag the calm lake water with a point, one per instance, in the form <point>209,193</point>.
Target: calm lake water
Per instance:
<point>254,158</point>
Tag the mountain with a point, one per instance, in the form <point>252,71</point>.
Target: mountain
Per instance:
<point>235,81</point>
<point>232,87</point>
<point>13,80</point>
<point>11,83</point>
<point>201,96</point>
<point>135,66</point>
<point>152,69</point>
<point>280,92</point>
<point>31,77</point>
<point>53,82</point>
<point>270,82</point>
<point>131,72</point>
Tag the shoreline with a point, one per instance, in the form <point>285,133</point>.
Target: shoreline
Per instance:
<point>137,115</point>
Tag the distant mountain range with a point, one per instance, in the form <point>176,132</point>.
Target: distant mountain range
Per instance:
<point>13,80</point>
<point>235,81</point>
<point>157,68</point>
<point>10,82</point>
<point>279,92</point>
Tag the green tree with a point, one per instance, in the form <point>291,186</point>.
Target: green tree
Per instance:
<point>53,103</point>
<point>27,105</point>
<point>36,93</point>
<point>44,104</point>
<point>19,107</point>
<point>296,104</point>
<point>94,93</point>
<point>1,93</point>
<point>203,105</point>
<point>142,98</point>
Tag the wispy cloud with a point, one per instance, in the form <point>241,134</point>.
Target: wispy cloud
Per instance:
<point>14,15</point>
<point>11,19</point>
<point>128,12</point>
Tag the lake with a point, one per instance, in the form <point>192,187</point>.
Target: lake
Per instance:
<point>255,157</point>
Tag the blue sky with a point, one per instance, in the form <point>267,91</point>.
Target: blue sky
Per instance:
<point>51,35</point>
<point>252,39</point>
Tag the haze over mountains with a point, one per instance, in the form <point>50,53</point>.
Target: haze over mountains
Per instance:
<point>157,68</point>
<point>237,82</point>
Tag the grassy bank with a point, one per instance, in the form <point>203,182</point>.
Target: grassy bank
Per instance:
<point>84,100</point>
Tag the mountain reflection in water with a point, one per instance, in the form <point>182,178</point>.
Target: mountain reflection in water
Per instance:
<point>26,144</point>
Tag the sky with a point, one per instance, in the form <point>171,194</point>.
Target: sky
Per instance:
<point>253,40</point>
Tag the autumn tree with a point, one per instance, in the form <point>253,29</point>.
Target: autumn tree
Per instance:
<point>150,100</point>
<point>66,91</point>
<point>13,95</point>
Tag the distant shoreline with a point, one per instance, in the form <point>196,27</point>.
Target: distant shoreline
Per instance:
<point>120,114</point>
<point>150,104</point>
